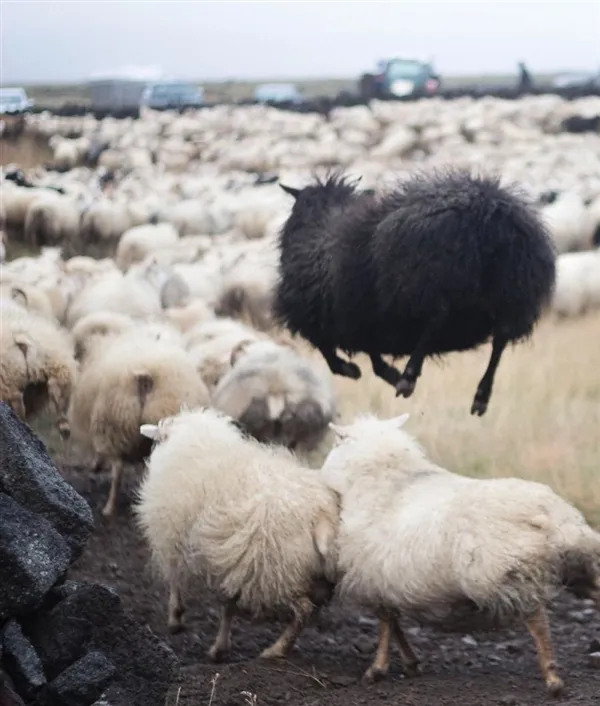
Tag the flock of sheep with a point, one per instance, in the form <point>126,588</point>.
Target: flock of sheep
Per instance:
<point>146,323</point>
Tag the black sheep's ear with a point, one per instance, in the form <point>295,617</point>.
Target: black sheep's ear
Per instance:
<point>290,190</point>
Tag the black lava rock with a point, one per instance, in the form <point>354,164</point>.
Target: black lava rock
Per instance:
<point>83,682</point>
<point>33,557</point>
<point>21,661</point>
<point>91,619</point>
<point>29,476</point>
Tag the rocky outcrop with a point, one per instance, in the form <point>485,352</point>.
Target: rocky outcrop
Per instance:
<point>62,643</point>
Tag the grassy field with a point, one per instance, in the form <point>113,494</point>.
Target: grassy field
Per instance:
<point>58,94</point>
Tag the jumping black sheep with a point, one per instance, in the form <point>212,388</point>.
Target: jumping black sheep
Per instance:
<point>440,263</point>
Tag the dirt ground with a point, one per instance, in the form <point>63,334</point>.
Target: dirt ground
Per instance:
<point>332,653</point>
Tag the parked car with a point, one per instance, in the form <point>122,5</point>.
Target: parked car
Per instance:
<point>400,78</point>
<point>583,79</point>
<point>172,95</point>
<point>14,101</point>
<point>278,93</point>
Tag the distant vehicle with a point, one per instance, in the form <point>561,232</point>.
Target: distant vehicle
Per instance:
<point>582,79</point>
<point>172,95</point>
<point>278,93</point>
<point>400,78</point>
<point>14,101</point>
<point>116,96</point>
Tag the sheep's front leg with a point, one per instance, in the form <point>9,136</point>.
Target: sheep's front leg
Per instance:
<point>410,661</point>
<point>17,404</point>
<point>339,366</point>
<point>116,473</point>
<point>381,663</point>
<point>484,389</point>
<point>175,609</point>
<point>384,371</point>
<point>56,395</point>
<point>302,612</point>
<point>540,631</point>
<point>222,644</point>
<point>408,380</point>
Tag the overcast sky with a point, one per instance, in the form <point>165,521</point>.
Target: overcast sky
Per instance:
<point>61,41</point>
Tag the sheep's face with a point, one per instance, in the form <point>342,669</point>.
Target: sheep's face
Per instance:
<point>354,448</point>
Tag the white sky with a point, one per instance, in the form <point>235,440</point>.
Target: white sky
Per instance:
<point>67,40</point>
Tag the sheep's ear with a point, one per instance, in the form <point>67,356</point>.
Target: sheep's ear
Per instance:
<point>237,352</point>
<point>19,295</point>
<point>149,430</point>
<point>399,421</point>
<point>290,190</point>
<point>340,431</point>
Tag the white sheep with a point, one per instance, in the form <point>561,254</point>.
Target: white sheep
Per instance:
<point>220,509</point>
<point>51,219</point>
<point>37,365</point>
<point>277,395</point>
<point>577,287</point>
<point>130,379</point>
<point>458,553</point>
<point>138,242</point>
<point>569,222</point>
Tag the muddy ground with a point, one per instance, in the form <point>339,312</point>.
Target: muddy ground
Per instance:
<point>332,653</point>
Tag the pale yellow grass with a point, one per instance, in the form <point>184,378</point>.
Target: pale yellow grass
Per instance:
<point>543,421</point>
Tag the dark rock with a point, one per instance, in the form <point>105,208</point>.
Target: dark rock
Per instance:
<point>30,477</point>
<point>8,697</point>
<point>33,557</point>
<point>83,682</point>
<point>594,660</point>
<point>21,661</point>
<point>595,645</point>
<point>91,618</point>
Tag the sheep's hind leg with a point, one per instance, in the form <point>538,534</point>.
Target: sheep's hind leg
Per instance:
<point>222,644</point>
<point>117,473</point>
<point>540,632</point>
<point>302,612</point>
<point>381,663</point>
<point>175,609</point>
<point>384,371</point>
<point>410,661</point>
<point>339,366</point>
<point>484,389</point>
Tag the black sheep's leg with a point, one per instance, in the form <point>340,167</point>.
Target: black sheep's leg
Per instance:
<point>338,366</point>
<point>408,380</point>
<point>383,370</point>
<point>484,389</point>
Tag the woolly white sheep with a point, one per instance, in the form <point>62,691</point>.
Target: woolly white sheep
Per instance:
<point>136,243</point>
<point>277,395</point>
<point>577,287</point>
<point>455,552</point>
<point>248,520</point>
<point>128,380</point>
<point>37,366</point>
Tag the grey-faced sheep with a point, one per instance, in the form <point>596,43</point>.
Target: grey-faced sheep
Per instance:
<point>219,508</point>
<point>37,366</point>
<point>457,553</point>
<point>129,380</point>
<point>439,264</point>
<point>276,395</point>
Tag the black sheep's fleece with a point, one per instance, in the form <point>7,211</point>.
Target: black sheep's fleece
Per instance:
<point>444,260</point>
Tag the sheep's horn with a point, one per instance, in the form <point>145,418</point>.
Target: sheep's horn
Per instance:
<point>290,190</point>
<point>149,430</point>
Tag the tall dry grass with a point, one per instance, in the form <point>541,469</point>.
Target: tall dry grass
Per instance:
<point>543,421</point>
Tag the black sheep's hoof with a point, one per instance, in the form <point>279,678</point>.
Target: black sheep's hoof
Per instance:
<point>350,370</point>
<point>479,407</point>
<point>405,387</point>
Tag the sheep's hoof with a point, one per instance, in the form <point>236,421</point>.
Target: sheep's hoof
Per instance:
<point>175,627</point>
<point>273,652</point>
<point>374,674</point>
<point>217,653</point>
<point>350,370</point>
<point>554,685</point>
<point>413,670</point>
<point>108,510</point>
<point>405,387</point>
<point>479,407</point>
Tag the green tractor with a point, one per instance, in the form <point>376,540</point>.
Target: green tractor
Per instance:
<point>400,78</point>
